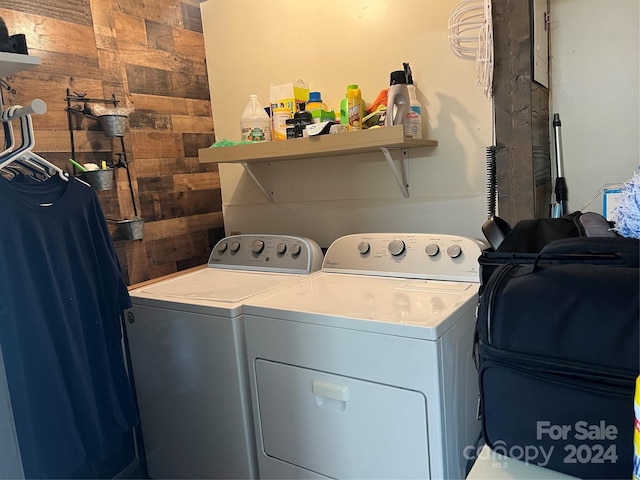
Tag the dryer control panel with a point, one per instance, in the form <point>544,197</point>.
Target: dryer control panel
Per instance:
<point>410,255</point>
<point>274,253</point>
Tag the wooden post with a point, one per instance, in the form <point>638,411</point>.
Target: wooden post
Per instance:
<point>522,117</point>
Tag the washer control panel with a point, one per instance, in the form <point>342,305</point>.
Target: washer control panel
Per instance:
<point>411,255</point>
<point>276,253</point>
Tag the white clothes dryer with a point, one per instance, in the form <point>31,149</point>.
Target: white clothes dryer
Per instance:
<point>186,341</point>
<point>365,369</point>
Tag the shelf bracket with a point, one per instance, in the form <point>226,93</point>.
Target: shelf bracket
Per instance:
<point>247,168</point>
<point>400,176</point>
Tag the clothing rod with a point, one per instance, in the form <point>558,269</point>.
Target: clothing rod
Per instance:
<point>37,106</point>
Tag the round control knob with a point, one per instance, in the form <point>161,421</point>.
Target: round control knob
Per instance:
<point>432,249</point>
<point>281,248</point>
<point>235,246</point>
<point>222,247</point>
<point>454,251</point>
<point>295,249</point>
<point>363,247</point>
<point>257,246</point>
<point>396,247</point>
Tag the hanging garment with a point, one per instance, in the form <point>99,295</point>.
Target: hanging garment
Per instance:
<point>61,295</point>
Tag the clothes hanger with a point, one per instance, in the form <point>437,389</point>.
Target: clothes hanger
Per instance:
<point>25,166</point>
<point>28,140</point>
<point>26,129</point>
<point>9,138</point>
<point>40,166</point>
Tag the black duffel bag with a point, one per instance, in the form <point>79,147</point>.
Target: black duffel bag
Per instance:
<point>558,353</point>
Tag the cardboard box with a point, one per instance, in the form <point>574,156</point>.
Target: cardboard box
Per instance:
<point>286,96</point>
<point>610,200</point>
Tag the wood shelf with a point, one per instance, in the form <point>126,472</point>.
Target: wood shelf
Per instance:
<point>12,63</point>
<point>317,146</point>
<point>339,144</point>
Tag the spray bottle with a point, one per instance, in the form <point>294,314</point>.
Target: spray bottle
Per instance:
<point>354,107</point>
<point>397,99</point>
<point>413,119</point>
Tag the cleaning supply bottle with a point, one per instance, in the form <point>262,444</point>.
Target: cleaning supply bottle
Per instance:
<point>319,110</point>
<point>354,107</point>
<point>413,119</point>
<point>255,123</point>
<point>397,99</point>
<point>636,432</point>
<point>301,119</point>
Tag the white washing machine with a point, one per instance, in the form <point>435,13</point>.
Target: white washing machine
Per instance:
<point>365,369</point>
<point>186,339</point>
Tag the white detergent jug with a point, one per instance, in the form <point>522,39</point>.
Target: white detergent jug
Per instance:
<point>398,102</point>
<point>255,124</point>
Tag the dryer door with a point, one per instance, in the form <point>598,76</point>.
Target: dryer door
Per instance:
<point>341,427</point>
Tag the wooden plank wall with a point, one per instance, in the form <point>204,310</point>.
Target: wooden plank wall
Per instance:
<point>150,55</point>
<point>521,116</point>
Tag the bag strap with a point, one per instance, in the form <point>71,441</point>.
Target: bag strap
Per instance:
<point>592,224</point>
<point>629,247</point>
<point>626,250</point>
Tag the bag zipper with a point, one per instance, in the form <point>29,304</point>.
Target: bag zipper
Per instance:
<point>492,285</point>
<point>565,369</point>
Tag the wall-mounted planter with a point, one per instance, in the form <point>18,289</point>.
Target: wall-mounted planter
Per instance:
<point>100,179</point>
<point>113,125</point>
<point>131,229</point>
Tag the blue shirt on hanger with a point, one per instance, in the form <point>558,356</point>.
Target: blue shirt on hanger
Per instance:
<point>61,296</point>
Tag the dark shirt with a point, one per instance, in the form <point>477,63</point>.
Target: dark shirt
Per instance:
<point>61,296</point>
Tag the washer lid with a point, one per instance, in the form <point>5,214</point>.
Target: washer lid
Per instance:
<point>212,285</point>
<point>396,306</point>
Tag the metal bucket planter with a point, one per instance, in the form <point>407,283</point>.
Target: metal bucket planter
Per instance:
<point>100,179</point>
<point>113,125</point>
<point>131,229</point>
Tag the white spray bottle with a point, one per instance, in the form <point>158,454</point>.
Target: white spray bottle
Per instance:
<point>397,99</point>
<point>413,119</point>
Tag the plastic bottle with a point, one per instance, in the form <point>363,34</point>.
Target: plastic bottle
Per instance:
<point>344,117</point>
<point>413,119</point>
<point>315,102</point>
<point>255,123</point>
<point>636,432</point>
<point>319,110</point>
<point>397,99</point>
<point>354,107</point>
<point>301,119</point>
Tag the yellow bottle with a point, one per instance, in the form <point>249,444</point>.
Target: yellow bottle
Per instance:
<point>354,107</point>
<point>636,432</point>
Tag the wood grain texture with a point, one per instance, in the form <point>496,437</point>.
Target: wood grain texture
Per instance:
<point>192,124</point>
<point>163,11</point>
<point>130,29</point>
<point>162,206</point>
<point>190,224</point>
<point>521,116</point>
<point>174,249</point>
<point>156,144</point>
<point>191,19</point>
<point>159,36</point>
<point>76,11</point>
<point>192,142</point>
<point>151,56</point>
<point>196,181</point>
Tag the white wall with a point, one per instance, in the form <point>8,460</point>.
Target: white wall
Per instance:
<point>595,87</point>
<point>332,43</point>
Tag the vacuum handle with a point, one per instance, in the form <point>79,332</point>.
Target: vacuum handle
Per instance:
<point>558,139</point>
